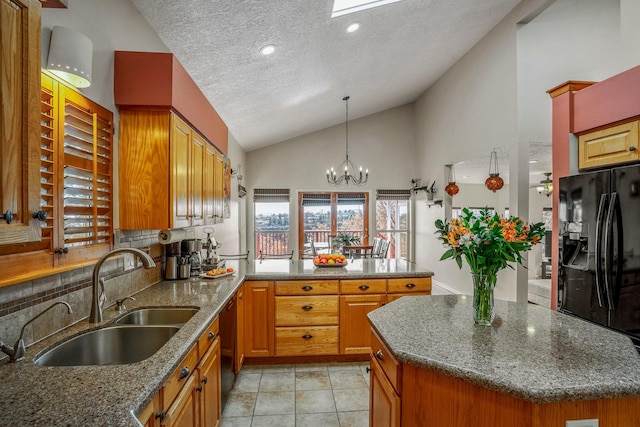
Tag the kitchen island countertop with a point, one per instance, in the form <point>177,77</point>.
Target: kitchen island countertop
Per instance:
<point>530,352</point>
<point>113,395</point>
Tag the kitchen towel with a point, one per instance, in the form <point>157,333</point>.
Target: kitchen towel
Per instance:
<point>171,236</point>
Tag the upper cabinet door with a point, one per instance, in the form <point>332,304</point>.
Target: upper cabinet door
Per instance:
<point>19,123</point>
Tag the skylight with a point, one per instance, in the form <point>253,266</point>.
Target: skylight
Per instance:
<point>344,7</point>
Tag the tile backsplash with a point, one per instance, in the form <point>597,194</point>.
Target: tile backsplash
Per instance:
<point>21,302</point>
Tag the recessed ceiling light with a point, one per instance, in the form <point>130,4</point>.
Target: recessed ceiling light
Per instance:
<point>352,27</point>
<point>532,162</point>
<point>268,49</point>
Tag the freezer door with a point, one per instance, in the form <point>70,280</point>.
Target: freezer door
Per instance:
<point>625,313</point>
<point>583,202</point>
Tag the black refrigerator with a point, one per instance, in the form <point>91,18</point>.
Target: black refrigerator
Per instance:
<point>599,261</point>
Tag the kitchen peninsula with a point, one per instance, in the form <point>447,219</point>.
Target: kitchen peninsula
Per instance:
<point>533,367</point>
<point>116,395</point>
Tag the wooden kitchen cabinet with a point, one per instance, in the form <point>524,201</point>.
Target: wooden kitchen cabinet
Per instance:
<point>191,395</point>
<point>209,388</point>
<point>610,146</point>
<point>167,172</point>
<point>259,330</point>
<point>20,120</point>
<point>357,299</point>
<point>411,286</point>
<point>384,396</point>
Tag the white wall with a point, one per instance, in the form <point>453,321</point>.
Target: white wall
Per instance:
<point>384,143</point>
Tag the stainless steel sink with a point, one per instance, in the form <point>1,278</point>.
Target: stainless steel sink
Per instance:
<point>114,345</point>
<point>158,316</point>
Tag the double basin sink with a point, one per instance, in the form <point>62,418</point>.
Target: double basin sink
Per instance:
<point>133,337</point>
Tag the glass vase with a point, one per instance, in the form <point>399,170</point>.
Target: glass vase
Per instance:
<point>483,310</point>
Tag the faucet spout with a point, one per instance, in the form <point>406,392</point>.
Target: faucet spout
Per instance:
<point>18,352</point>
<point>98,296</point>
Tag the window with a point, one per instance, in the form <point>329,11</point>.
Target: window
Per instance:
<point>392,220</point>
<point>271,220</point>
<point>321,216</point>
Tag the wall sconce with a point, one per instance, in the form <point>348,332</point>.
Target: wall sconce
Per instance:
<point>452,188</point>
<point>546,185</point>
<point>494,182</point>
<point>70,56</point>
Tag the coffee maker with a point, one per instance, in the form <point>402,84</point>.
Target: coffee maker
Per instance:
<point>190,256</point>
<point>211,259</point>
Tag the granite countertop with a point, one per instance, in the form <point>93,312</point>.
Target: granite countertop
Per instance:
<point>113,395</point>
<point>530,352</point>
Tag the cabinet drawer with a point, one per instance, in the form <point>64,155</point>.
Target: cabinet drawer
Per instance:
<point>307,310</point>
<point>208,337</point>
<point>179,377</point>
<point>309,340</point>
<point>306,287</point>
<point>363,286</point>
<point>389,364</point>
<point>613,145</point>
<point>409,284</point>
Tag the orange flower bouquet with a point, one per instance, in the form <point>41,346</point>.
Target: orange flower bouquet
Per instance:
<point>488,242</point>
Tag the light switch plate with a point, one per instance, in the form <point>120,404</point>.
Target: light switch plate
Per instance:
<point>582,423</point>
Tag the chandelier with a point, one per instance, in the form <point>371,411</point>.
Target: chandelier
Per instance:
<point>546,185</point>
<point>350,174</point>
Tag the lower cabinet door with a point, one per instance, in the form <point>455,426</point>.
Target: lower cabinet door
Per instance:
<point>355,331</point>
<point>209,376</point>
<point>384,402</point>
<point>183,412</point>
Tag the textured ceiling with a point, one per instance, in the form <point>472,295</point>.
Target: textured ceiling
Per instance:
<point>399,51</point>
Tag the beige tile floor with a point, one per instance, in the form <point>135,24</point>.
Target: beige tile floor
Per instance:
<point>300,395</point>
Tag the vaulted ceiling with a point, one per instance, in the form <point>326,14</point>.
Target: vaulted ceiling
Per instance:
<point>398,52</point>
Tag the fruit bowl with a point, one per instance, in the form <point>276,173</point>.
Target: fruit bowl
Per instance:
<point>330,260</point>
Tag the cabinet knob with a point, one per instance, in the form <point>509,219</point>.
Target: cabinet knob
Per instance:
<point>632,148</point>
<point>211,335</point>
<point>161,415</point>
<point>368,369</point>
<point>40,215</point>
<point>62,251</point>
<point>307,337</point>
<point>307,288</point>
<point>204,380</point>
<point>199,389</point>
<point>307,307</point>
<point>363,287</point>
<point>379,355</point>
<point>184,373</point>
<point>8,216</point>
<point>410,285</point>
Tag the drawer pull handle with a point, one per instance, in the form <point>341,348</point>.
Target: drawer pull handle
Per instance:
<point>211,335</point>
<point>368,369</point>
<point>363,287</point>
<point>184,373</point>
<point>204,380</point>
<point>307,288</point>
<point>307,307</point>
<point>307,337</point>
<point>199,389</point>
<point>161,415</point>
<point>410,285</point>
<point>379,355</point>
<point>632,148</point>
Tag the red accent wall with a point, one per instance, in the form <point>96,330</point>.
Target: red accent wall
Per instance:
<point>157,80</point>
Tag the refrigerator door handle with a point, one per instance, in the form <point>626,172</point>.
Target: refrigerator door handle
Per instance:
<point>608,247</point>
<point>600,223</point>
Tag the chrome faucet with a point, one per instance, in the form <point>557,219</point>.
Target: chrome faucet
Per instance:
<point>99,298</point>
<point>18,352</point>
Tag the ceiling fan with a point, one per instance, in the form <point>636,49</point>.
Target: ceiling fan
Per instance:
<point>545,187</point>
